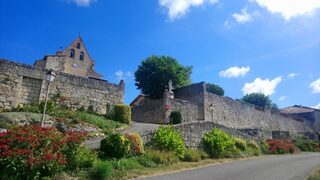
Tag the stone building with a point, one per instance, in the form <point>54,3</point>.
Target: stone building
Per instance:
<point>197,105</point>
<point>76,81</point>
<point>74,60</point>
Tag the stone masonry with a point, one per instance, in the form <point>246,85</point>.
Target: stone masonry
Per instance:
<point>26,84</point>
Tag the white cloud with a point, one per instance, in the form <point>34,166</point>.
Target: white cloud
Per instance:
<point>289,8</point>
<point>317,106</point>
<point>292,75</point>
<point>122,75</point>
<point>178,8</point>
<point>315,86</point>
<point>283,98</point>
<point>242,17</point>
<point>82,3</point>
<point>264,86</point>
<point>235,72</point>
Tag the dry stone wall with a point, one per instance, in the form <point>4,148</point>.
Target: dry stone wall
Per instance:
<point>20,83</point>
<point>240,115</point>
<point>149,111</point>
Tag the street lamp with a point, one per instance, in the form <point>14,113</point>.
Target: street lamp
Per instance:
<point>50,77</point>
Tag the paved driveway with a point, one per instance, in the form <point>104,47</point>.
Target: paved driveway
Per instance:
<point>288,167</point>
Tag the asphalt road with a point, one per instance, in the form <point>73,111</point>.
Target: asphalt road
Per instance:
<point>287,167</point>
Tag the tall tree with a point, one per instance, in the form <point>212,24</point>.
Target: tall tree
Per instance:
<point>154,73</point>
<point>258,99</point>
<point>215,89</point>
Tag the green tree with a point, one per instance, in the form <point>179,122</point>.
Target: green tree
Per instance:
<point>215,89</point>
<point>258,99</point>
<point>154,73</point>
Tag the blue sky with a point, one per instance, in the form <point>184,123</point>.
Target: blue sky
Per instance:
<point>269,46</point>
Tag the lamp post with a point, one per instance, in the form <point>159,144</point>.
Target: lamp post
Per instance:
<point>49,77</point>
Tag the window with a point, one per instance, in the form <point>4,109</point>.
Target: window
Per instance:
<point>72,53</point>
<point>78,46</point>
<point>81,56</point>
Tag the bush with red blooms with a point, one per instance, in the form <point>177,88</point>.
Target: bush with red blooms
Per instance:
<point>32,152</point>
<point>280,146</point>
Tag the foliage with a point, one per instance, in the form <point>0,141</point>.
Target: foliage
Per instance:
<point>126,164</point>
<point>306,144</point>
<point>253,148</point>
<point>114,146</point>
<point>85,158</point>
<point>122,113</point>
<point>280,146</point>
<point>154,73</point>
<point>135,143</point>
<point>166,138</point>
<point>264,147</point>
<point>146,161</point>
<point>101,170</point>
<point>215,89</point>
<point>240,144</point>
<point>162,157</point>
<point>217,142</point>
<point>192,155</point>
<point>31,152</point>
<point>257,99</point>
<point>175,117</point>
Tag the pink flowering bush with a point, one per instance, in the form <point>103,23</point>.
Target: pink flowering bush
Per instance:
<point>32,152</point>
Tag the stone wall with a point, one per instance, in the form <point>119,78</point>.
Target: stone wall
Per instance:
<point>149,111</point>
<point>193,93</point>
<point>187,109</point>
<point>239,115</point>
<point>17,85</point>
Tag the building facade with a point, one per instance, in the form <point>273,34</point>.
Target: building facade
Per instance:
<point>76,81</point>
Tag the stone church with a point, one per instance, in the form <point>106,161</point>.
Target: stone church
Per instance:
<point>74,60</point>
<point>76,80</point>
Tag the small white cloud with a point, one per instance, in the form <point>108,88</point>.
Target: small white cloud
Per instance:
<point>178,8</point>
<point>121,75</point>
<point>264,86</point>
<point>289,8</point>
<point>317,106</point>
<point>227,24</point>
<point>283,98</point>
<point>292,75</point>
<point>235,72</point>
<point>315,86</point>
<point>82,3</point>
<point>242,17</point>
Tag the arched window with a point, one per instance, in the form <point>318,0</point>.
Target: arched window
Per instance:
<point>78,46</point>
<point>81,56</point>
<point>72,53</point>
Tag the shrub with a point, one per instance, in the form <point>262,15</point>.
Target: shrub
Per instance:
<point>192,155</point>
<point>101,170</point>
<point>240,144</point>
<point>146,161</point>
<point>253,148</point>
<point>85,158</point>
<point>162,157</point>
<point>32,152</point>
<point>264,147</point>
<point>122,113</point>
<point>175,117</point>
<point>115,146</point>
<point>216,143</point>
<point>280,146</point>
<point>166,138</point>
<point>135,143</point>
<point>306,144</point>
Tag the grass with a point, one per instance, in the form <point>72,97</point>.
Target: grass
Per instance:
<point>98,120</point>
<point>315,175</point>
<point>71,117</point>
